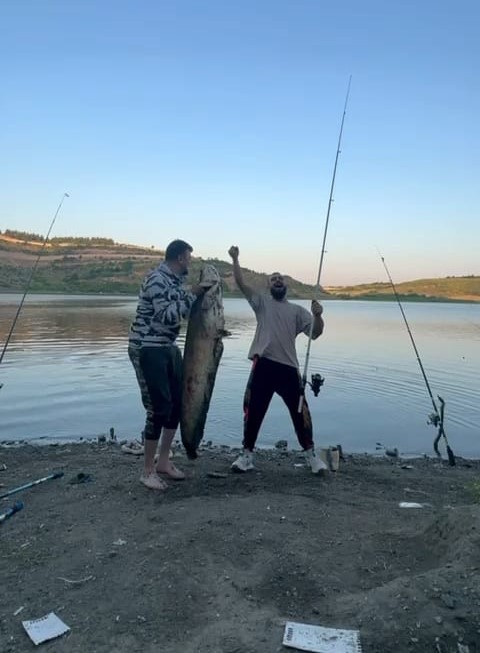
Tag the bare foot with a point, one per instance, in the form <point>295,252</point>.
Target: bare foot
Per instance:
<point>172,472</point>
<point>153,481</point>
<point>157,455</point>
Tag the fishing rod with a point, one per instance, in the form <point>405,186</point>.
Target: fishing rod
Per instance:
<point>51,477</point>
<point>436,418</point>
<point>30,279</point>
<point>317,380</point>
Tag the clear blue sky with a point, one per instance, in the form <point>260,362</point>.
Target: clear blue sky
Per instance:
<point>217,122</point>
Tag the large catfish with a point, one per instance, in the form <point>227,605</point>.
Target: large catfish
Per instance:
<point>202,353</point>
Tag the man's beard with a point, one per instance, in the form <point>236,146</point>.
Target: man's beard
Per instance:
<point>278,293</point>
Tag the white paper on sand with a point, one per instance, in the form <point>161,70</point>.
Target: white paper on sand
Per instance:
<point>321,640</point>
<point>45,628</point>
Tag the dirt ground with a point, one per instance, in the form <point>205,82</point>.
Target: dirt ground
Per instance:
<point>218,563</point>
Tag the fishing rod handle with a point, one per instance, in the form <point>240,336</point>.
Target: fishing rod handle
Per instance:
<point>11,511</point>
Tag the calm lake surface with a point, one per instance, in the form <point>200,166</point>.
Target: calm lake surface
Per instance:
<point>67,376</point>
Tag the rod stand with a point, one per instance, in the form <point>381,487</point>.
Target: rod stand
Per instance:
<point>436,420</point>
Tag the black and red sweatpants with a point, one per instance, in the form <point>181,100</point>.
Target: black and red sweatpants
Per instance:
<point>266,378</point>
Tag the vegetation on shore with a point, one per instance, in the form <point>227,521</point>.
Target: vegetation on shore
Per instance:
<point>99,265</point>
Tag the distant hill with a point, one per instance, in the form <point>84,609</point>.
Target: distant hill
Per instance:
<point>465,289</point>
<point>99,265</point>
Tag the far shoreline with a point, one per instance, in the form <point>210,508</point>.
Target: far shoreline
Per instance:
<point>270,451</point>
<point>323,298</point>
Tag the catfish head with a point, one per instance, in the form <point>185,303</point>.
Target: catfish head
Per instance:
<point>212,300</point>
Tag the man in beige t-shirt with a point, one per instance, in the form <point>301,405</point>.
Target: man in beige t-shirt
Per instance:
<point>275,365</point>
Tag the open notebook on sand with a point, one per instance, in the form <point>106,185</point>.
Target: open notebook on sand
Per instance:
<point>321,640</point>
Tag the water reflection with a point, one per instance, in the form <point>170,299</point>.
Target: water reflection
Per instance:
<point>66,373</point>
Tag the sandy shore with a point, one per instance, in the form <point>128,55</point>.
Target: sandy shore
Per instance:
<point>219,562</point>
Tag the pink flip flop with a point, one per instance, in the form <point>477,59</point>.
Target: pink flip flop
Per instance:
<point>133,447</point>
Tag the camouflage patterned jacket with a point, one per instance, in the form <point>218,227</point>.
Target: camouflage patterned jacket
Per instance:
<point>162,304</point>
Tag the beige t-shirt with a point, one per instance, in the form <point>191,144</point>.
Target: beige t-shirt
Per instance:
<point>278,324</point>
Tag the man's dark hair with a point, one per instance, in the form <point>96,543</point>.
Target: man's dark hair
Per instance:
<point>176,249</point>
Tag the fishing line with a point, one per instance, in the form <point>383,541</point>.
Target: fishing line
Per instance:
<point>317,380</point>
<point>30,279</point>
<point>437,417</point>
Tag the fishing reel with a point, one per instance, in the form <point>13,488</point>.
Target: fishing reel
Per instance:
<point>316,383</point>
<point>434,419</point>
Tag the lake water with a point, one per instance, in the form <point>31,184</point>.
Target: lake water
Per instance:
<point>67,376</point>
